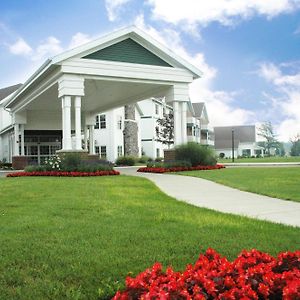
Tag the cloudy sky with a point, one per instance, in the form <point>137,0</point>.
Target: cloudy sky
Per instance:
<point>248,50</point>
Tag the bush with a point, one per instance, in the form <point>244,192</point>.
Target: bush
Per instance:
<point>169,164</point>
<point>125,161</point>
<point>143,159</point>
<point>252,275</point>
<point>159,159</point>
<point>196,154</point>
<point>35,168</point>
<point>71,162</point>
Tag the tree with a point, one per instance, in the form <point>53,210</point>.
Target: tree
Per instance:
<point>165,129</point>
<point>295,150</point>
<point>267,132</point>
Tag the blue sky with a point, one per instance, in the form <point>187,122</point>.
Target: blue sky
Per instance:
<point>248,50</point>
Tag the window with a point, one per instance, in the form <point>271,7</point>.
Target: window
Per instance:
<point>119,124</point>
<point>102,121</point>
<point>97,123</point>
<point>97,150</point>
<point>156,109</point>
<point>103,152</point>
<point>164,111</point>
<point>120,151</point>
<point>246,152</point>
<point>157,152</point>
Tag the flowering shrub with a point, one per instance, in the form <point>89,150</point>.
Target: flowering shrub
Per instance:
<point>178,169</point>
<point>252,275</point>
<point>53,163</point>
<point>63,173</point>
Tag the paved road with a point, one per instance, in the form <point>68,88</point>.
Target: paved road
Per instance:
<point>204,193</point>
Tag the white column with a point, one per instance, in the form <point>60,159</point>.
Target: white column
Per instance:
<point>63,122</point>
<point>86,128</point>
<point>177,124</point>
<point>22,139</point>
<point>16,140</point>
<point>92,139</point>
<point>66,122</point>
<point>78,123</point>
<point>183,123</point>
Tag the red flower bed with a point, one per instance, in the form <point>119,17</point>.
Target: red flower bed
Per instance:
<point>252,275</point>
<point>63,174</point>
<point>179,169</point>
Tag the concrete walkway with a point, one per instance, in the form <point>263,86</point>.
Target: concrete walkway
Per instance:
<point>204,193</point>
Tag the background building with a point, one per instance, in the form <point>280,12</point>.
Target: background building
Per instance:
<point>240,138</point>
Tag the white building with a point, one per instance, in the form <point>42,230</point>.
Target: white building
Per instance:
<point>108,133</point>
<point>63,97</point>
<point>198,129</point>
<point>153,109</point>
<point>240,140</point>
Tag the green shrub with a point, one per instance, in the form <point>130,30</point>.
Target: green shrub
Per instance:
<point>159,159</point>
<point>177,163</point>
<point>94,166</point>
<point>143,159</point>
<point>35,168</point>
<point>196,154</point>
<point>170,164</point>
<point>71,162</point>
<point>125,161</point>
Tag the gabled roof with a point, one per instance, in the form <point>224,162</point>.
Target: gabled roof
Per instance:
<point>136,35</point>
<point>8,90</point>
<point>242,134</point>
<point>131,32</point>
<point>200,110</point>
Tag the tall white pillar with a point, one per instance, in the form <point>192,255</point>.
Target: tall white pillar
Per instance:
<point>183,123</point>
<point>177,124</point>
<point>86,128</point>
<point>92,139</point>
<point>78,144</point>
<point>66,122</point>
<point>16,140</point>
<point>22,139</point>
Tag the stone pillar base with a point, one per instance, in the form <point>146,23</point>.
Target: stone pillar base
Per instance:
<point>169,155</point>
<point>19,162</point>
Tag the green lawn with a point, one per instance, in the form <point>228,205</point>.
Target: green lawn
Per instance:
<point>278,182</point>
<point>66,238</point>
<point>261,159</point>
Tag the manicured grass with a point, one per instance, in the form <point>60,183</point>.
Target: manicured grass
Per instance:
<point>261,159</point>
<point>278,182</point>
<point>65,238</point>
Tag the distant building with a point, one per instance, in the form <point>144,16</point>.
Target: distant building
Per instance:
<point>241,138</point>
<point>198,129</point>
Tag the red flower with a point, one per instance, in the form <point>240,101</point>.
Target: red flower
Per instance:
<point>251,276</point>
<point>63,174</point>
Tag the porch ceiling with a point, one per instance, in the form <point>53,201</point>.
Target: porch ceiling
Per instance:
<point>101,95</point>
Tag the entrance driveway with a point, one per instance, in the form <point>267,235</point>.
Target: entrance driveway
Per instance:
<point>204,193</point>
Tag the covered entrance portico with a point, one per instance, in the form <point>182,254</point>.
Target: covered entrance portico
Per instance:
<point>67,92</point>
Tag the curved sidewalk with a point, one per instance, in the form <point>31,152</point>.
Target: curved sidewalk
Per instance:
<point>204,193</point>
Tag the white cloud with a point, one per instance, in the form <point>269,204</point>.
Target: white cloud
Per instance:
<point>226,12</point>
<point>78,39</point>
<point>20,47</point>
<point>48,48</point>
<point>286,106</point>
<point>113,8</point>
<point>220,106</point>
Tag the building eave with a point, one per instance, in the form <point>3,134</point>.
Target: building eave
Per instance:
<point>41,70</point>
